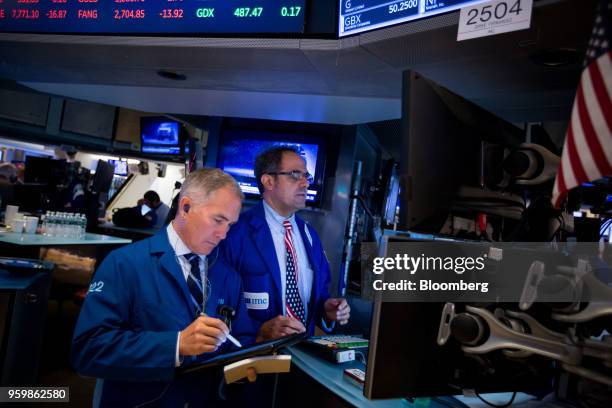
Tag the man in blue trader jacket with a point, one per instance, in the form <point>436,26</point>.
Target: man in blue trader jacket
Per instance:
<point>284,270</point>
<point>154,305</point>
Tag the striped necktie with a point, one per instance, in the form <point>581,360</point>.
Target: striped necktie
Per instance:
<point>293,301</point>
<point>194,282</point>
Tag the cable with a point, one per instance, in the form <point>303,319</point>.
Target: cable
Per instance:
<point>274,390</point>
<point>210,264</point>
<point>507,404</point>
<point>364,205</point>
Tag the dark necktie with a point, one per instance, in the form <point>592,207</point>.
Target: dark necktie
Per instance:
<point>293,301</point>
<point>194,282</point>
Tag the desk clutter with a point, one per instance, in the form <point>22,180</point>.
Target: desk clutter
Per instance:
<point>337,348</point>
<point>50,224</point>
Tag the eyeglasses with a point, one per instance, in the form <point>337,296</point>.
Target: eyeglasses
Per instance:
<point>295,175</point>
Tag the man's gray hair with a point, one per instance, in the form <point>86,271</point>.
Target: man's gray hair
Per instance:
<point>201,183</point>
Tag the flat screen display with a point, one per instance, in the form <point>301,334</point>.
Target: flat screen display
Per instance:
<point>239,148</point>
<point>121,167</point>
<point>358,16</point>
<point>160,135</point>
<point>176,17</point>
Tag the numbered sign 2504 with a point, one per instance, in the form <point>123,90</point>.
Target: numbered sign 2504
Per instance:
<point>498,11</point>
<point>494,17</point>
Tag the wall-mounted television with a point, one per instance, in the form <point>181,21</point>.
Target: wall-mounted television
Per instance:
<point>121,167</point>
<point>89,118</point>
<point>160,135</point>
<point>238,149</point>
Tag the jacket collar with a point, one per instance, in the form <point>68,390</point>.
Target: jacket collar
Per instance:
<point>264,243</point>
<point>160,247</point>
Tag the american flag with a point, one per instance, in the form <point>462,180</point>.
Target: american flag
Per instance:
<point>587,153</point>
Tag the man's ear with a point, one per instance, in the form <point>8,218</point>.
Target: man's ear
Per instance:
<point>184,206</point>
<point>267,181</point>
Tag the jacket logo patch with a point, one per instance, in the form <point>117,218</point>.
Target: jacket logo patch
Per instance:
<point>256,301</point>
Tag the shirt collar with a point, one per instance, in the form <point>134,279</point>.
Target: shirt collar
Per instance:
<point>177,243</point>
<point>275,217</point>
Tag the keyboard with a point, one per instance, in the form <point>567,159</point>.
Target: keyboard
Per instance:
<point>339,341</point>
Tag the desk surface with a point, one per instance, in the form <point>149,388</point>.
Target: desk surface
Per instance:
<point>41,240</point>
<point>11,281</point>
<point>331,376</point>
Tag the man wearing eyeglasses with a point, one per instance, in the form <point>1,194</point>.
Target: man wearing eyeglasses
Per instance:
<point>284,270</point>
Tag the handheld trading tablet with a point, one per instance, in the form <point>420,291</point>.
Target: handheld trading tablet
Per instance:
<point>259,349</point>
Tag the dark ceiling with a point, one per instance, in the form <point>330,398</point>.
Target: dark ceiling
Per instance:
<point>352,80</point>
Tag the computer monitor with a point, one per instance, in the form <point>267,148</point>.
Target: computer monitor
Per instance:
<point>441,136</point>
<point>45,170</point>
<point>405,359</point>
<point>239,148</point>
<point>160,135</point>
<point>103,177</point>
<point>121,167</point>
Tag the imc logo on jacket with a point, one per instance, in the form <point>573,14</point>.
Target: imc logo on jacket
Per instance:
<point>257,301</point>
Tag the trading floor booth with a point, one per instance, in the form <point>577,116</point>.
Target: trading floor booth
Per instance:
<point>24,289</point>
<point>411,131</point>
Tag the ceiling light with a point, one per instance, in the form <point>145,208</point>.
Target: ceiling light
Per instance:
<point>557,57</point>
<point>171,75</point>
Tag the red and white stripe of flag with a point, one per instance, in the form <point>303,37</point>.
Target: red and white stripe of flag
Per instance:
<point>587,153</point>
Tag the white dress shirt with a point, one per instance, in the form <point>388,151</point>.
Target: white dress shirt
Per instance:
<point>305,272</point>
<point>180,249</point>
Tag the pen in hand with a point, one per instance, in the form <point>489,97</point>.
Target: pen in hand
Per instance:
<point>228,336</point>
<point>233,340</point>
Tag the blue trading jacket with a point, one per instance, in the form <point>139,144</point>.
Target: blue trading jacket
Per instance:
<point>127,330</point>
<point>249,249</point>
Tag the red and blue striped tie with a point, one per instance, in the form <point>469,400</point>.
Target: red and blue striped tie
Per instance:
<point>293,301</point>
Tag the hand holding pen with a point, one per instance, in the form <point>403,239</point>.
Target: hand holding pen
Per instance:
<point>228,323</point>
<point>204,335</point>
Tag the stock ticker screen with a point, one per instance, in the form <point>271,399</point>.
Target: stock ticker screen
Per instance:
<point>175,17</point>
<point>357,16</point>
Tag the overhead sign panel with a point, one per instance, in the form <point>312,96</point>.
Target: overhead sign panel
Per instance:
<point>167,17</point>
<point>357,16</point>
<point>494,17</point>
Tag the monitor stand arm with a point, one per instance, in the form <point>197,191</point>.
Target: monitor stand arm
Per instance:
<point>502,337</point>
<point>539,341</point>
